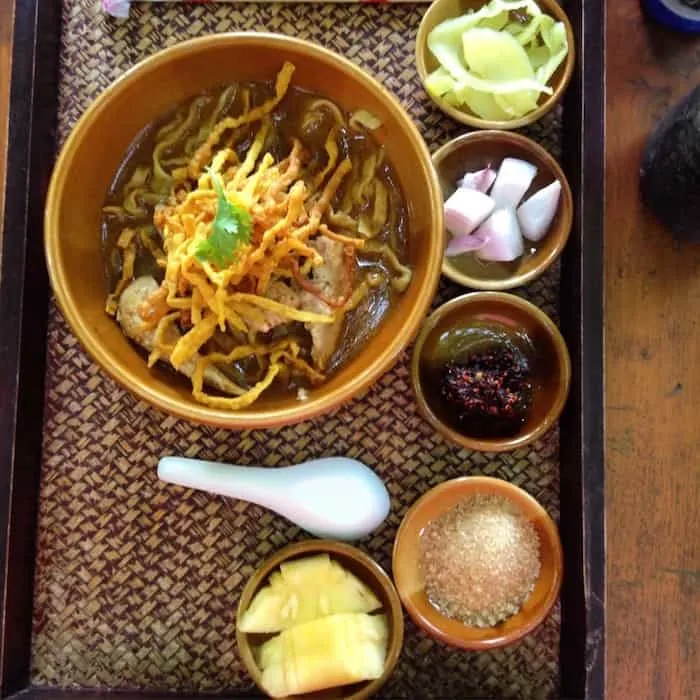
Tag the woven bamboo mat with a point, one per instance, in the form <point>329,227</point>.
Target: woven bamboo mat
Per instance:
<point>137,583</point>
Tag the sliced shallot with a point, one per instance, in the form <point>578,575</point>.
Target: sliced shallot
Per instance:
<point>465,210</point>
<point>466,244</point>
<point>536,213</point>
<point>512,182</point>
<point>479,180</point>
<point>504,240</point>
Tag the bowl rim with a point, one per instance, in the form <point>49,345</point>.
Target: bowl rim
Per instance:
<point>330,547</point>
<point>564,367</point>
<point>553,8</point>
<point>201,414</point>
<point>565,200</point>
<point>509,490</point>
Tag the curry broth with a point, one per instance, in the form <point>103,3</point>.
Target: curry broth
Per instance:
<point>287,123</point>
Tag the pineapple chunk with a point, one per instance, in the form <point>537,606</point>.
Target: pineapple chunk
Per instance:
<point>325,653</point>
<point>304,590</point>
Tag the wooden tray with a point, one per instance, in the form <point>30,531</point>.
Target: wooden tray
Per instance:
<point>62,478</point>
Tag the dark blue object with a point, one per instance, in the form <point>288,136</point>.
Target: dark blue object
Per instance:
<point>675,14</point>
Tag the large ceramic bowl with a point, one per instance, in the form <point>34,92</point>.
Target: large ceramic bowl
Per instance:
<point>97,145</point>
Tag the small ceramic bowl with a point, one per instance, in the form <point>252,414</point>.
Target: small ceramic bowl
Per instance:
<point>408,577</point>
<point>368,571</point>
<point>439,11</point>
<point>476,150</point>
<point>551,365</point>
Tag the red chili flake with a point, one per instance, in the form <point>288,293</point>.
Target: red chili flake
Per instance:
<point>490,393</point>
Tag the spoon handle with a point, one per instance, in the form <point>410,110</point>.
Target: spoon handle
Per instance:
<point>253,484</point>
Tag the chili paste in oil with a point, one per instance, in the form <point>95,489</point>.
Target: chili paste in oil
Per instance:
<point>485,378</point>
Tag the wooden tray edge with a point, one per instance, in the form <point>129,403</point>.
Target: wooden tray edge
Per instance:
<point>583,529</point>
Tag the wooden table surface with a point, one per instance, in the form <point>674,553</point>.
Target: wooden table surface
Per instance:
<point>652,384</point>
<point>653,376</point>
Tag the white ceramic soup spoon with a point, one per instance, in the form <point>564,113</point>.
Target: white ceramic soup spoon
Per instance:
<point>333,497</point>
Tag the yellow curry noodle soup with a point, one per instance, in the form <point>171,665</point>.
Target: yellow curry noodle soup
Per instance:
<point>253,239</point>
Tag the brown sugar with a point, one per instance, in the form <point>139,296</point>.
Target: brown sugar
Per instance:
<point>480,560</point>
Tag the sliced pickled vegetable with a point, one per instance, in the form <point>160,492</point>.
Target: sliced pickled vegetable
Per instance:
<point>495,21</point>
<point>482,103</point>
<point>528,32</point>
<point>495,55</point>
<point>538,55</point>
<point>502,88</point>
<point>495,61</point>
<point>440,82</point>
<point>551,38</point>
<point>499,57</point>
<point>555,40</point>
<point>517,104</point>
<point>452,99</point>
<point>445,39</point>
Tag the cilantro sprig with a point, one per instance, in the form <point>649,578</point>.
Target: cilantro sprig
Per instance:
<point>230,229</point>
